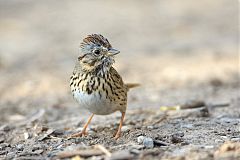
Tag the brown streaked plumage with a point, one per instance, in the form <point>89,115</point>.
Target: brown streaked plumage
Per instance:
<point>95,84</point>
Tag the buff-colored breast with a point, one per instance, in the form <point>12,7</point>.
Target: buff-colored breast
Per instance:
<point>99,95</point>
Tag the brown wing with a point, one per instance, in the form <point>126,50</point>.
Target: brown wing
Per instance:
<point>116,77</point>
<point>118,89</point>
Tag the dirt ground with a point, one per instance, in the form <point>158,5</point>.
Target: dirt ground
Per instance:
<point>182,53</point>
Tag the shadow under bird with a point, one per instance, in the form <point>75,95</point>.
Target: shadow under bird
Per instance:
<point>95,84</point>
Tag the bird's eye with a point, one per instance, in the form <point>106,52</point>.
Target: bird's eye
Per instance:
<point>97,52</point>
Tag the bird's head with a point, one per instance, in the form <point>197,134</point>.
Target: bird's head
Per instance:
<point>96,53</point>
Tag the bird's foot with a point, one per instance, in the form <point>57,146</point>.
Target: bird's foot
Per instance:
<point>79,134</point>
<point>117,136</point>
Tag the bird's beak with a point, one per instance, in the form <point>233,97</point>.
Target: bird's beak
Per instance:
<point>113,52</point>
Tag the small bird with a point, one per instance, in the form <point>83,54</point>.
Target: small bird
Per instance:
<point>95,84</point>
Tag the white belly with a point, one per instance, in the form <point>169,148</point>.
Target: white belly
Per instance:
<point>94,103</point>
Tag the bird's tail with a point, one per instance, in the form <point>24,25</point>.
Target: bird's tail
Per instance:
<point>132,85</point>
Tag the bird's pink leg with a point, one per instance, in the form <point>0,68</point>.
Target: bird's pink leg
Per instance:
<point>118,134</point>
<point>83,132</point>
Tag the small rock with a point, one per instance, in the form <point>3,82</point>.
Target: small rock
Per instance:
<point>39,129</point>
<point>160,143</point>
<point>179,134</point>
<point>37,147</point>
<point>219,141</point>
<point>177,138</point>
<point>235,139</point>
<point>125,128</point>
<point>58,132</point>
<point>150,127</point>
<point>60,146</point>
<point>26,135</point>
<point>208,147</point>
<point>184,143</point>
<point>2,139</point>
<point>3,145</point>
<point>38,151</point>
<point>5,128</point>
<point>148,142</point>
<point>228,120</point>
<point>11,155</point>
<point>46,135</point>
<point>140,139</point>
<point>204,112</point>
<point>188,126</point>
<point>2,152</point>
<point>222,134</point>
<point>20,147</point>
<point>224,137</point>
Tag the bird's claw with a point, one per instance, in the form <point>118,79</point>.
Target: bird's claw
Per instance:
<point>79,134</point>
<point>117,136</point>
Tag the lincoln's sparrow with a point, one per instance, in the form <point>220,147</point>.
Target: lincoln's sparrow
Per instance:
<point>95,84</point>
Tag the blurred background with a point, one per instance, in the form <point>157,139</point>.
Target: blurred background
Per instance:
<point>177,50</point>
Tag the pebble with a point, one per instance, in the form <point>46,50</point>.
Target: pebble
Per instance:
<point>3,145</point>
<point>140,139</point>
<point>148,142</point>
<point>26,135</point>
<point>20,147</point>
<point>2,139</point>
<point>125,128</point>
<point>37,147</point>
<point>5,128</point>
<point>3,152</point>
<point>228,120</point>
<point>208,147</point>
<point>177,138</point>
<point>11,155</point>
<point>150,127</point>
<point>38,151</point>
<point>187,126</point>
<point>160,143</point>
<point>219,141</point>
<point>60,146</point>
<point>222,134</point>
<point>184,143</point>
<point>224,137</point>
<point>235,139</point>
<point>58,132</point>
